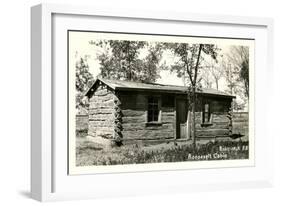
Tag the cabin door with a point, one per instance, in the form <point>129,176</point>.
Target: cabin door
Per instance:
<point>181,110</point>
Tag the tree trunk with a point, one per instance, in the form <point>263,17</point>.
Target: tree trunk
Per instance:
<point>193,117</point>
<point>217,84</point>
<point>193,95</point>
<point>188,125</point>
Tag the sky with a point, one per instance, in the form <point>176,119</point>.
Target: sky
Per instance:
<point>79,46</point>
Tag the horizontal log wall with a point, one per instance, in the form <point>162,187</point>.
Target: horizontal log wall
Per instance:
<point>134,121</point>
<point>220,126</point>
<point>101,113</point>
<point>220,123</point>
<point>134,116</point>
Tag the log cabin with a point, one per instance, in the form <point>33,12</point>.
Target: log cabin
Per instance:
<point>127,111</point>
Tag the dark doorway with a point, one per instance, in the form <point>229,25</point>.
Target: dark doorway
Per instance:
<point>181,110</point>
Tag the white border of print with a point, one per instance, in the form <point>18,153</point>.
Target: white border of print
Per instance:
<point>50,179</point>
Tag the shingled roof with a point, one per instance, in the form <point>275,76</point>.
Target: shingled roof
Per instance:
<point>120,85</point>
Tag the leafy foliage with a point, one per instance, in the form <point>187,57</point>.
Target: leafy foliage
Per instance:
<point>244,75</point>
<point>121,60</point>
<point>232,75</point>
<point>150,65</point>
<point>83,81</point>
<point>239,57</point>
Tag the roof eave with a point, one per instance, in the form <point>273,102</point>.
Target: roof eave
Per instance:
<point>90,90</point>
<point>169,91</point>
<point>218,95</point>
<point>148,89</point>
<point>87,93</point>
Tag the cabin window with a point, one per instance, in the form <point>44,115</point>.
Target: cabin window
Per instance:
<point>153,109</point>
<point>206,114</point>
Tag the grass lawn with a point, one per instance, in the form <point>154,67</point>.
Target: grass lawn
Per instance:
<point>89,153</point>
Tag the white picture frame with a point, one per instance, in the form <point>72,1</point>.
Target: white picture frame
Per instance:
<point>49,178</point>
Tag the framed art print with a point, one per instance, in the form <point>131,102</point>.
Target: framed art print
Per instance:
<point>147,101</point>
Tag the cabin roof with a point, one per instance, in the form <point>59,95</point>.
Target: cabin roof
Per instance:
<point>120,85</point>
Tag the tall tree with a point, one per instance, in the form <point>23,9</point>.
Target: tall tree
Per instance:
<point>189,63</point>
<point>217,74</point>
<point>130,60</point>
<point>215,71</point>
<point>207,79</point>
<point>239,57</point>
<point>150,66</point>
<point>127,53</point>
<point>84,80</point>
<point>231,75</point>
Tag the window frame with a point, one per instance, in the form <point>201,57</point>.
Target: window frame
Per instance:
<point>159,107</point>
<point>210,115</point>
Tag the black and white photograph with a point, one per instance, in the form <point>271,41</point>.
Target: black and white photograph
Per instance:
<point>151,98</point>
